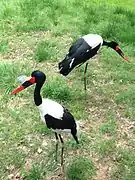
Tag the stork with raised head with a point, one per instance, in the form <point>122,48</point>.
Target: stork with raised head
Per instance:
<point>54,115</point>
<point>83,49</point>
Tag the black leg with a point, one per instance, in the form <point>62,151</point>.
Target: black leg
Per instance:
<point>57,141</point>
<point>85,76</point>
<point>62,150</point>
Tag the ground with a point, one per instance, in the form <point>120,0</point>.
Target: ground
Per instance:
<point>36,35</point>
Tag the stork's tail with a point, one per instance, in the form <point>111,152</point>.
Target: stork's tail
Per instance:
<point>64,66</point>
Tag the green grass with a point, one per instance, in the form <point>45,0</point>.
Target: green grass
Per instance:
<point>45,51</point>
<point>108,127</point>
<point>37,35</point>
<point>106,147</point>
<point>80,168</point>
<point>58,89</point>
<point>125,166</point>
<point>36,172</point>
<point>3,46</point>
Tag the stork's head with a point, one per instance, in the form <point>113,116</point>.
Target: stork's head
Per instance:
<point>37,77</point>
<point>66,66</point>
<point>114,45</point>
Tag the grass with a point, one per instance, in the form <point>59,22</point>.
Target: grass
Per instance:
<point>37,35</point>
<point>45,50</point>
<point>106,147</point>
<point>77,169</point>
<point>125,166</point>
<point>58,89</point>
<point>108,127</point>
<point>36,172</point>
<point>3,46</point>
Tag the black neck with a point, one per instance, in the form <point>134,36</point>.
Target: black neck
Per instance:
<point>37,96</point>
<point>105,43</point>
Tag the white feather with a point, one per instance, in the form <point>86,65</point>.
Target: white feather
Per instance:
<point>62,130</point>
<point>22,78</point>
<point>70,65</point>
<point>93,40</point>
<point>67,130</point>
<point>50,107</point>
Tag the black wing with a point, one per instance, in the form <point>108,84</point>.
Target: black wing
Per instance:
<point>80,50</point>
<point>67,121</point>
<point>83,53</point>
<point>76,46</point>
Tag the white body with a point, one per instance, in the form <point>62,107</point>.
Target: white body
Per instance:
<point>54,109</point>
<point>50,107</point>
<point>93,40</point>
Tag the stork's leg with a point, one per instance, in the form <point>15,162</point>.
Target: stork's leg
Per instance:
<point>57,141</point>
<point>85,76</point>
<point>62,150</point>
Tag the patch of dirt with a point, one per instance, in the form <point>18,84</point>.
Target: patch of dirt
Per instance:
<point>59,175</point>
<point>22,46</point>
<point>125,134</point>
<point>28,164</point>
<point>103,172</point>
<point>16,103</point>
<point>14,174</point>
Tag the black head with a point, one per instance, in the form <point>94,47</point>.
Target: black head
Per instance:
<point>114,45</point>
<point>39,76</point>
<point>66,66</point>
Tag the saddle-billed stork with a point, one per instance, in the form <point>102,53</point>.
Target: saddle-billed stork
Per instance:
<point>54,115</point>
<point>83,49</point>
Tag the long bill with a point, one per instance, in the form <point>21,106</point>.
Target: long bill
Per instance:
<point>24,85</point>
<point>119,51</point>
